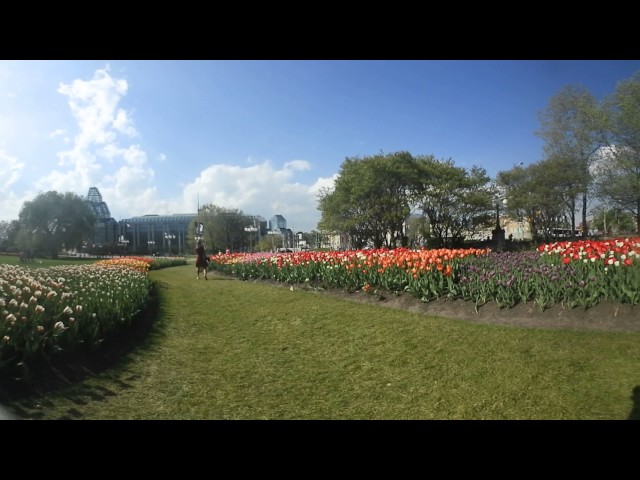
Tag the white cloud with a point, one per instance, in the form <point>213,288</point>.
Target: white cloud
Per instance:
<point>10,204</point>
<point>134,156</point>
<point>10,172</point>
<point>297,165</point>
<point>123,124</point>
<point>258,189</point>
<point>10,169</point>
<point>99,157</point>
<point>322,183</point>
<point>111,152</point>
<point>57,133</point>
<point>94,105</point>
<point>85,172</point>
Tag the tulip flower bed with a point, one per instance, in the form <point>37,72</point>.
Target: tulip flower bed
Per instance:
<point>571,274</point>
<point>145,264</point>
<point>62,308</point>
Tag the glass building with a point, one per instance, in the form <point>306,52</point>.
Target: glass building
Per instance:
<point>278,223</point>
<point>106,227</point>
<point>161,234</point>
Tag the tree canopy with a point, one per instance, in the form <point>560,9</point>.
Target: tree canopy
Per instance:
<point>370,200</point>
<point>573,128</point>
<point>54,220</point>
<point>543,193</point>
<point>373,197</point>
<point>613,221</point>
<point>223,228</point>
<point>618,170</point>
<point>457,202</point>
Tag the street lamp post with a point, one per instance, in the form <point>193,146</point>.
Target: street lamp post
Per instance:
<point>151,244</point>
<point>250,230</point>
<point>123,242</point>
<point>122,239</point>
<point>272,233</point>
<point>199,234</point>
<point>498,232</point>
<point>169,237</point>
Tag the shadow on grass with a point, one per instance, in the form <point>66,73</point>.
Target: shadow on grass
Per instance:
<point>635,398</point>
<point>66,373</point>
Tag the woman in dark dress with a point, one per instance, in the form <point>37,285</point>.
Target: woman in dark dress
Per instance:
<point>201,260</point>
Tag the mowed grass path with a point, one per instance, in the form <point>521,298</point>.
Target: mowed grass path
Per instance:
<point>227,349</point>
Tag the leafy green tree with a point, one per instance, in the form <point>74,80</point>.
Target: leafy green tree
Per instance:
<point>539,194</point>
<point>567,185</point>
<point>457,202</point>
<point>573,128</point>
<point>310,238</point>
<point>267,244</point>
<point>549,194</point>
<point>417,230</point>
<point>223,228</point>
<point>370,201</point>
<point>517,184</point>
<point>342,211</point>
<point>618,170</point>
<point>54,220</point>
<point>613,221</point>
<point>8,233</point>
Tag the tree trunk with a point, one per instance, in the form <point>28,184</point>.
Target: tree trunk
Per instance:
<point>585,230</point>
<point>573,222</point>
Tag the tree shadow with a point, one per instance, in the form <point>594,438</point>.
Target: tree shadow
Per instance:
<point>635,410</point>
<point>66,373</point>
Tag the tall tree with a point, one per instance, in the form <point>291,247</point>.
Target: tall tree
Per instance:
<point>417,230</point>
<point>538,193</point>
<point>53,220</point>
<point>552,199</point>
<point>370,200</point>
<point>223,228</point>
<point>573,128</point>
<point>457,201</point>
<point>613,221</point>
<point>517,184</point>
<point>6,233</point>
<point>556,174</point>
<point>617,171</point>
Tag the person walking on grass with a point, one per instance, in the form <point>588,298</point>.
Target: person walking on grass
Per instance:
<point>201,260</point>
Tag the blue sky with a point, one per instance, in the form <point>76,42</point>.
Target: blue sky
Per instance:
<point>262,136</point>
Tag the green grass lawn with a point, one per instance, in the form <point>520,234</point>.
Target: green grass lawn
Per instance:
<point>44,262</point>
<point>227,349</point>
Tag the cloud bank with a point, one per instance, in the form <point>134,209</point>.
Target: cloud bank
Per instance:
<point>105,152</point>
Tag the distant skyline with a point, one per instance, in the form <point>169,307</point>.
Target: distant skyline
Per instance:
<point>156,136</point>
